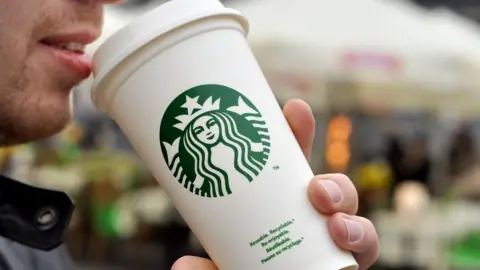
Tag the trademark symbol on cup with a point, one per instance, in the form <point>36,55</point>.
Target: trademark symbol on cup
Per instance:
<point>276,167</point>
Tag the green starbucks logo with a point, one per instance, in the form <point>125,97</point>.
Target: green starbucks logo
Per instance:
<point>211,137</point>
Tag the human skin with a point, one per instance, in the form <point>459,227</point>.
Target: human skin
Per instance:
<point>37,77</point>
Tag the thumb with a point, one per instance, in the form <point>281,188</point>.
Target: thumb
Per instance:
<point>193,263</point>
<point>300,118</point>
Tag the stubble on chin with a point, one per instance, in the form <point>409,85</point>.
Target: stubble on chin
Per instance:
<point>24,129</point>
<point>27,115</point>
<point>34,104</point>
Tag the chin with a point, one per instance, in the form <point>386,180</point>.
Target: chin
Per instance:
<point>51,125</point>
<point>31,125</point>
<point>37,104</point>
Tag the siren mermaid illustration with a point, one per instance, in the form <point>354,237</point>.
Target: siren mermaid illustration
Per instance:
<point>218,146</point>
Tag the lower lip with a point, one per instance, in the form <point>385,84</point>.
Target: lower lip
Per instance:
<point>78,63</point>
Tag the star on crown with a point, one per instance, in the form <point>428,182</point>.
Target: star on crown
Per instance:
<point>194,109</point>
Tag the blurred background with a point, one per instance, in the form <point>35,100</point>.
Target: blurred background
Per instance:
<point>395,89</point>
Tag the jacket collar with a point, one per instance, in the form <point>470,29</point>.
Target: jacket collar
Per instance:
<point>33,216</point>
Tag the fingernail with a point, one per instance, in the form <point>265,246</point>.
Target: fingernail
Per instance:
<point>354,229</point>
<point>332,189</point>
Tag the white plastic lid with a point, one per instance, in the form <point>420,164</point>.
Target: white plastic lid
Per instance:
<point>153,24</point>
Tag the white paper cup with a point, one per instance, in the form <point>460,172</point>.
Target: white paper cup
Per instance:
<point>183,85</point>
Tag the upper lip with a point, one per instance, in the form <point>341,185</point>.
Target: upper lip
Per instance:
<point>84,37</point>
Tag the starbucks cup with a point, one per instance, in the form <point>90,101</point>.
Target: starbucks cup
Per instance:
<point>183,85</point>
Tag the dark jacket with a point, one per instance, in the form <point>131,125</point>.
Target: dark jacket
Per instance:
<point>15,256</point>
<point>33,222</point>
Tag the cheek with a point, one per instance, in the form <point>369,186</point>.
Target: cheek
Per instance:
<point>13,66</point>
<point>16,28</point>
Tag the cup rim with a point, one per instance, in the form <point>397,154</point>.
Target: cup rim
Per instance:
<point>146,37</point>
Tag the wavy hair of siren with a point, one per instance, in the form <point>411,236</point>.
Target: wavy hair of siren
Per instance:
<point>217,179</point>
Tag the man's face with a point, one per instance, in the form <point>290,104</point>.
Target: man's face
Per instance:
<point>41,60</point>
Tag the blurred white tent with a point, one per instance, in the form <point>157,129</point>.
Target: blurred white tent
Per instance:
<point>458,33</point>
<point>329,31</point>
<point>461,36</point>
<point>362,41</point>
